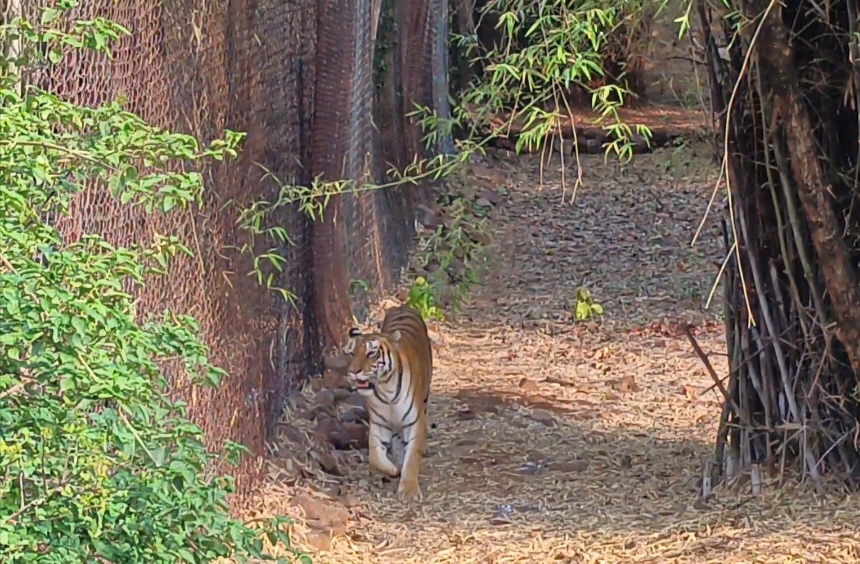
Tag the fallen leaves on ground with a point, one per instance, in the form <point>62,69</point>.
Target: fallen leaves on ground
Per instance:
<point>558,441</point>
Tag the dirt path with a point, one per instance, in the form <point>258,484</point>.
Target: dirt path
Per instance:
<point>558,441</point>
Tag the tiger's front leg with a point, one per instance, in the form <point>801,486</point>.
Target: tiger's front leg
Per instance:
<point>415,438</point>
<point>379,438</point>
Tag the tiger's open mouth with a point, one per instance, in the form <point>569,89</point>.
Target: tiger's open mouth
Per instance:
<point>362,384</point>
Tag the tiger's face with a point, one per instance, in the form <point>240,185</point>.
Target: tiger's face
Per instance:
<point>372,359</point>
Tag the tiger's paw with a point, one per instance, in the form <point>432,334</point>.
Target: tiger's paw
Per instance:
<point>385,467</point>
<point>409,491</point>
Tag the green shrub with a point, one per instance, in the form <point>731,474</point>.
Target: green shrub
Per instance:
<point>421,299</point>
<point>96,461</point>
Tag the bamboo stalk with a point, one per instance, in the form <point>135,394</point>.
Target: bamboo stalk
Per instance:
<point>780,357</point>
<point>794,221</point>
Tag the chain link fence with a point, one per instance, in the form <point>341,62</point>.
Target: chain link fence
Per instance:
<point>303,79</point>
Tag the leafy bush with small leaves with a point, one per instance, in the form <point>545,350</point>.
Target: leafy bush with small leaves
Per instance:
<point>421,299</point>
<point>451,258</point>
<point>97,463</point>
<point>586,308</point>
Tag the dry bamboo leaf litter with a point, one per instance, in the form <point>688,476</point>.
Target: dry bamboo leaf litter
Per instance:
<point>558,441</point>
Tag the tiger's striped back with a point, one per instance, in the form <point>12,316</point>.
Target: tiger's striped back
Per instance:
<point>414,346</point>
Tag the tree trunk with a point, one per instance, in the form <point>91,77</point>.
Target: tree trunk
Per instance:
<point>775,57</point>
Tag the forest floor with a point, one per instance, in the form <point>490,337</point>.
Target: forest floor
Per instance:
<point>564,441</point>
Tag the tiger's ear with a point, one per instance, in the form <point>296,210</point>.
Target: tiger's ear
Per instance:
<point>396,335</point>
<point>353,334</point>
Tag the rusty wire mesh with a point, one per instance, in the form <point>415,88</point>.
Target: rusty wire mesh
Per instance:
<point>298,77</point>
<point>360,240</point>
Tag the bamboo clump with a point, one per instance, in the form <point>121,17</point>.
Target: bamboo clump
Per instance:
<point>790,404</point>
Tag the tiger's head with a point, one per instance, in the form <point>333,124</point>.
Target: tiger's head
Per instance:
<point>373,359</point>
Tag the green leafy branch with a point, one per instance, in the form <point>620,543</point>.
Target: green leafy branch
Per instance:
<point>312,201</point>
<point>547,49</point>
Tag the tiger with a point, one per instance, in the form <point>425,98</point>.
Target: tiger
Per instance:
<point>392,370</point>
